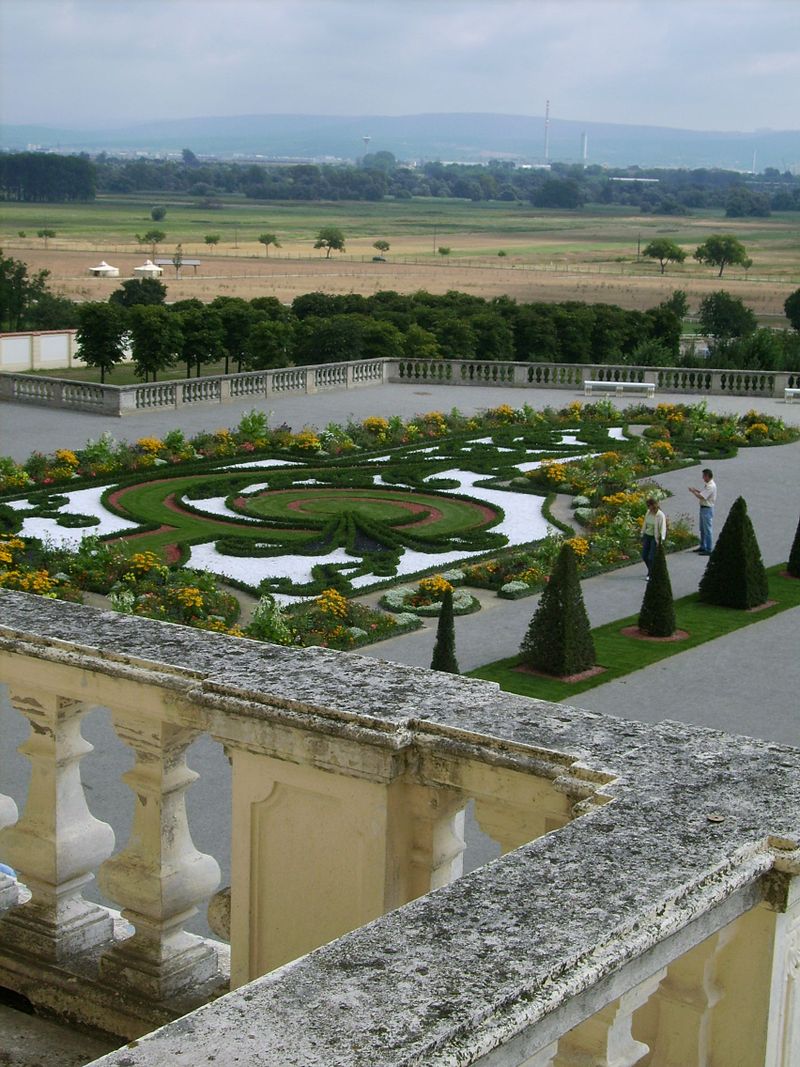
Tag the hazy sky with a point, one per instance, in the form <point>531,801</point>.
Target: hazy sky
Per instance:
<point>697,64</point>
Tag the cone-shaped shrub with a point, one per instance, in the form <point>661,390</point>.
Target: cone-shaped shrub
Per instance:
<point>735,575</point>
<point>559,638</point>
<point>793,566</point>
<point>657,614</point>
<point>444,651</point>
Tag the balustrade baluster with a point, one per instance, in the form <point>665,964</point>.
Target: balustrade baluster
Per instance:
<point>605,1040</point>
<point>8,885</point>
<point>160,877</point>
<point>57,843</point>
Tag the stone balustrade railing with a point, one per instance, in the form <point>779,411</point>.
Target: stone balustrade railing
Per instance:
<point>211,389</point>
<point>646,906</point>
<point>221,389</point>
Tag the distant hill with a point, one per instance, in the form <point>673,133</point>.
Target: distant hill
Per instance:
<point>448,137</point>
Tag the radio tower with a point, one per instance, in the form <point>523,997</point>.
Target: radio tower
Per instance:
<point>366,139</point>
<point>547,131</point>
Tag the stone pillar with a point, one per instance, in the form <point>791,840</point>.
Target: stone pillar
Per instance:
<point>316,853</point>
<point>605,1040</point>
<point>57,843</point>
<point>783,1030</point>
<point>160,877</point>
<point>8,885</point>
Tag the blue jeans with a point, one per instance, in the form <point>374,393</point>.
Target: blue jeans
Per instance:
<point>649,545</point>
<point>706,524</point>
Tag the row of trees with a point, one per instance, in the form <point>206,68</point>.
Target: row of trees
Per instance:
<point>317,328</point>
<point>41,177</point>
<point>34,176</point>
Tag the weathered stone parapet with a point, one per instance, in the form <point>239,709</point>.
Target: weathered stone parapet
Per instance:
<point>680,833</point>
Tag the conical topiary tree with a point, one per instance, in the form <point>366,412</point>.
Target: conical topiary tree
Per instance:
<point>657,614</point>
<point>793,566</point>
<point>444,651</point>
<point>735,575</point>
<point>559,638</point>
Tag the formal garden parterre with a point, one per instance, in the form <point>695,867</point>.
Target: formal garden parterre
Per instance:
<point>308,521</point>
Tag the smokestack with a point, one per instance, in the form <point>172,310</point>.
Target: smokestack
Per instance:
<point>547,131</point>
<point>584,147</point>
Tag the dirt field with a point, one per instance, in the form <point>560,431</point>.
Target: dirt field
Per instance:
<point>569,275</point>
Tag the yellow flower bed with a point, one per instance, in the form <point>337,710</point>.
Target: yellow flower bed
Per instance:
<point>435,586</point>
<point>331,602</point>
<point>579,545</point>
<point>150,444</point>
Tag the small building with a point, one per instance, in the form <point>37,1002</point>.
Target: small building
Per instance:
<point>104,270</point>
<point>148,270</point>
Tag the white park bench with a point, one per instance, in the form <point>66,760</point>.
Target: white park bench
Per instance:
<point>789,394</point>
<point>619,388</point>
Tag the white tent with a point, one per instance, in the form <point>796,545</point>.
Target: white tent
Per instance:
<point>104,270</point>
<point>148,270</point>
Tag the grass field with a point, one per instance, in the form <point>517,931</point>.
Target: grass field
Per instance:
<point>588,255</point>
<point>621,655</point>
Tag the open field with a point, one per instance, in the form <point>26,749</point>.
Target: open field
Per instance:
<point>589,255</point>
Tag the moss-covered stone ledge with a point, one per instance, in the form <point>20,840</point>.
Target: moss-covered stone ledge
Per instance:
<point>684,830</point>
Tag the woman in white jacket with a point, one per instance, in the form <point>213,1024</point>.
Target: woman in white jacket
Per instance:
<point>654,532</point>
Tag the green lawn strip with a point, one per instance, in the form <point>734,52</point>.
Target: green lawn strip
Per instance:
<point>622,655</point>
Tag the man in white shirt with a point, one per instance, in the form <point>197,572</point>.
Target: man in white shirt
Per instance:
<point>708,498</point>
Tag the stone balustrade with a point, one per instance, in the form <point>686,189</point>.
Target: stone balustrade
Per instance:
<point>645,908</point>
<point>327,377</point>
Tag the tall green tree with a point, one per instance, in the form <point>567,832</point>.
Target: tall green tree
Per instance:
<point>559,638</point>
<point>444,650</point>
<point>665,251</point>
<point>202,335</point>
<point>720,249</point>
<point>153,238</point>
<point>269,344</point>
<point>101,335</point>
<point>237,317</point>
<point>791,307</point>
<point>19,291</point>
<point>725,317</point>
<point>156,339</point>
<point>331,239</point>
<point>735,576</point>
<point>136,291</point>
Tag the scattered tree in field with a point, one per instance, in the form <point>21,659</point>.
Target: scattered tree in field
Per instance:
<point>45,234</point>
<point>211,239</point>
<point>735,575</point>
<point>331,239</point>
<point>793,566</point>
<point>158,213</point>
<point>725,317</point>
<point>381,246</point>
<point>444,250</point>
<point>22,233</point>
<point>444,651</point>
<point>152,238</point>
<point>101,335</point>
<point>156,339</point>
<point>267,239</point>
<point>177,259</point>
<point>791,307</point>
<point>559,638</point>
<point>665,251</point>
<point>138,291</point>
<point>719,250</point>
<point>657,614</point>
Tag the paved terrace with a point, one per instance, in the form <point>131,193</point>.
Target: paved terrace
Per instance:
<point>726,685</point>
